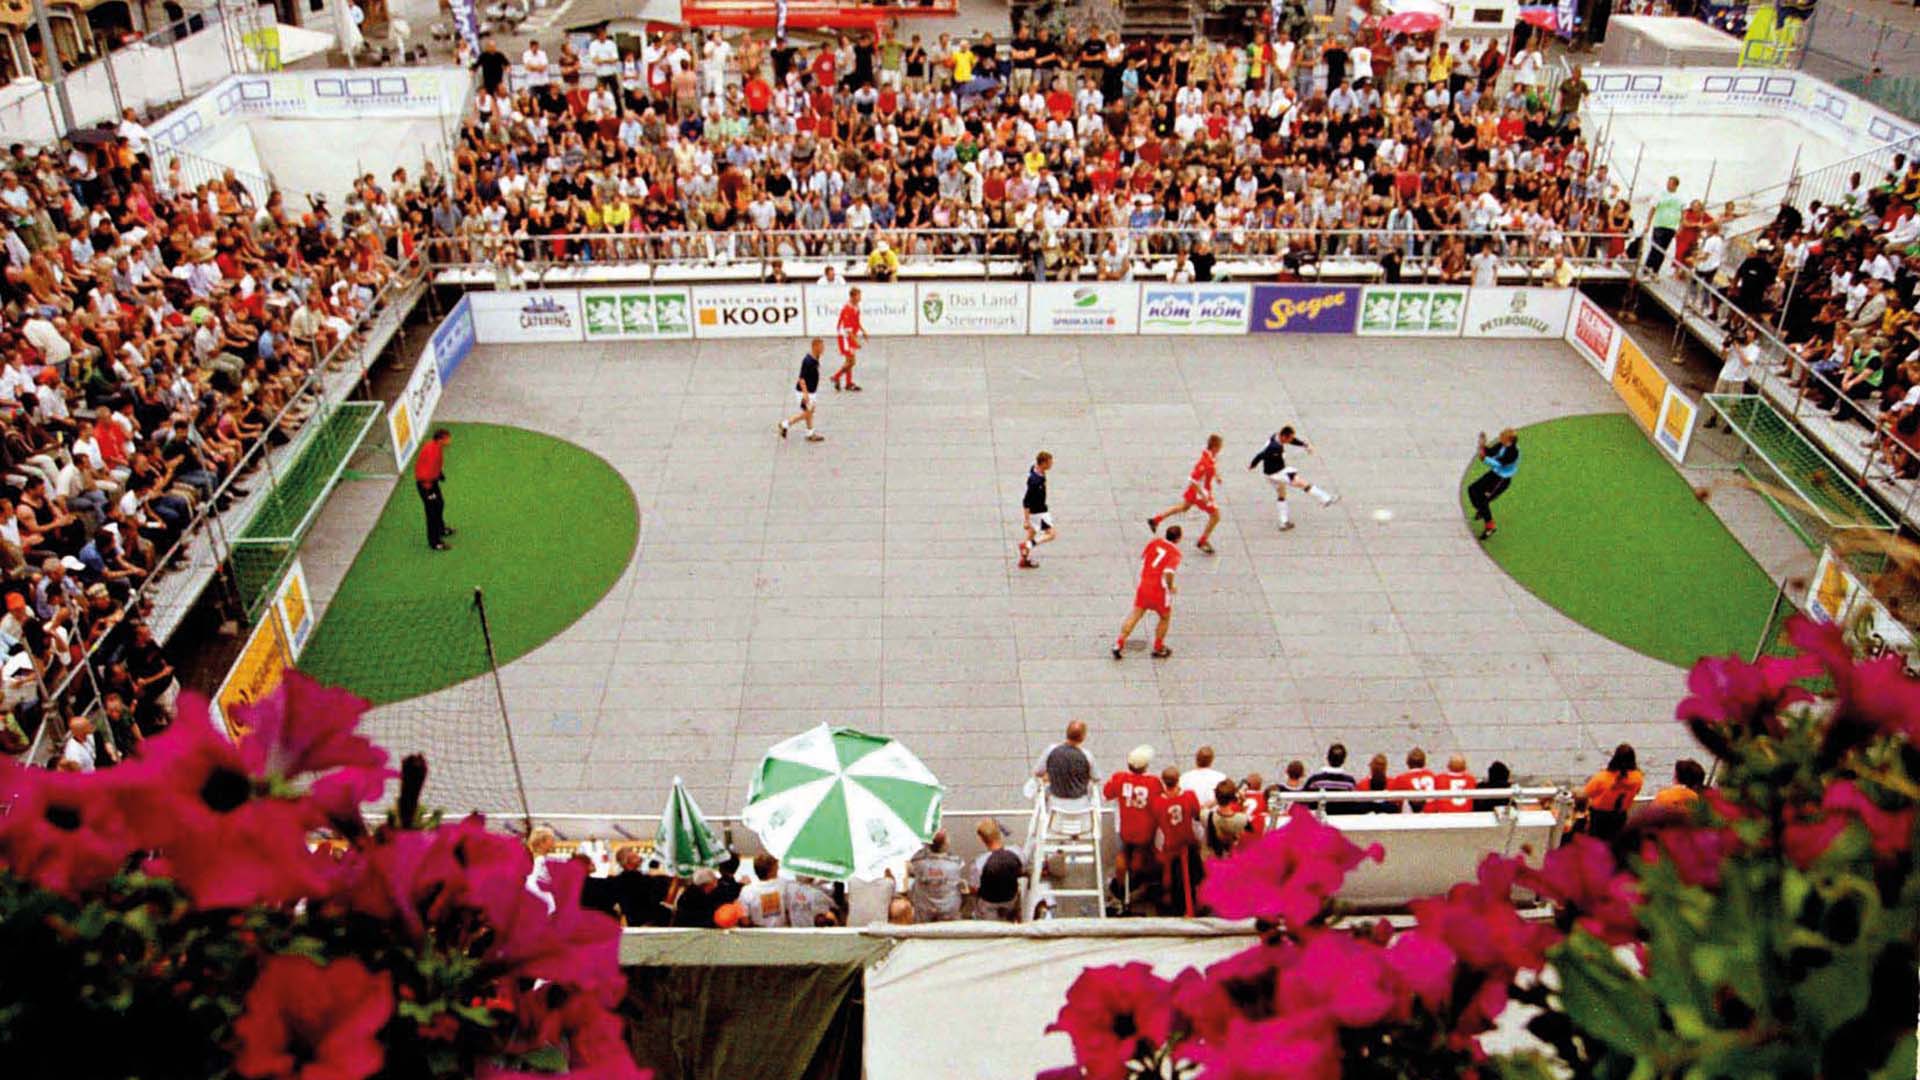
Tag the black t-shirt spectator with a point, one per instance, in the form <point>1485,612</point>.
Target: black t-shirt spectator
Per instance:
<point>695,907</point>
<point>641,897</point>
<point>1335,56</point>
<point>493,70</point>
<point>1202,265</point>
<point>1000,877</point>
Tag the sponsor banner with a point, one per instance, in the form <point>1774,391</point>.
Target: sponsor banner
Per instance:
<point>885,310</point>
<point>453,339</point>
<point>1675,429</point>
<point>512,318</point>
<point>636,314</point>
<point>1195,309</point>
<point>1412,310</point>
<point>1305,309</point>
<point>1594,335</point>
<point>255,675</point>
<point>981,307</point>
<point>1831,590</point>
<point>748,311</point>
<point>408,416</point>
<point>1639,383</point>
<point>1091,307</point>
<point>293,606</point>
<point>432,92</point>
<point>1519,312</point>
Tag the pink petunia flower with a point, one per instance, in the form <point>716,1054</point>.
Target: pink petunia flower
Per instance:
<point>65,832</point>
<point>566,943</point>
<point>1242,986</point>
<point>1730,693</point>
<point>1345,978</point>
<point>1696,851</point>
<point>1844,803</point>
<point>1583,876</point>
<point>1424,966</point>
<point>1114,1014</point>
<point>303,1021</point>
<point>1288,874</point>
<point>304,727</point>
<point>1302,1046</point>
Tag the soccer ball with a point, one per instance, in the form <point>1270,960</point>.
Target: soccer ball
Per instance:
<point>1383,515</point>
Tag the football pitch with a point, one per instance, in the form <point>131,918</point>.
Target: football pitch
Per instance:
<point>870,580</point>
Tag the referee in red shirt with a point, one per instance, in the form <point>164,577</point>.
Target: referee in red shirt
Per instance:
<point>428,470</point>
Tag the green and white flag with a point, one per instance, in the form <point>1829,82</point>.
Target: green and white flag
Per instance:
<point>684,842</point>
<point>838,803</point>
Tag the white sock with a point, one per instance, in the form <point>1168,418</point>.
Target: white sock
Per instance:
<point>1320,493</point>
<point>1283,511</point>
<point>783,425</point>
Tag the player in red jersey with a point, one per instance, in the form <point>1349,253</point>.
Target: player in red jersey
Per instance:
<point>1417,778</point>
<point>1155,593</point>
<point>1132,790</point>
<point>1199,494</point>
<point>1456,778</point>
<point>852,335</point>
<point>1253,799</point>
<point>1174,812</point>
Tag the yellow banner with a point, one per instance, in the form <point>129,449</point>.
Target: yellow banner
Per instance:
<point>1639,383</point>
<point>255,675</point>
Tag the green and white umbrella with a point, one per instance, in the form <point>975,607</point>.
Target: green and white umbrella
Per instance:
<point>684,842</point>
<point>839,803</point>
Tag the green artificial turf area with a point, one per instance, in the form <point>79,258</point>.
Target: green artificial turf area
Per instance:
<point>1600,525</point>
<point>545,528</point>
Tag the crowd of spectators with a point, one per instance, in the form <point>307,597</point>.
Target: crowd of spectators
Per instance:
<point>1083,154</point>
<point>1838,283</point>
<point>152,332</point>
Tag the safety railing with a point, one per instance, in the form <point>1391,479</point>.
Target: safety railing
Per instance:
<point>80,690</point>
<point>979,253</point>
<point>1789,380</point>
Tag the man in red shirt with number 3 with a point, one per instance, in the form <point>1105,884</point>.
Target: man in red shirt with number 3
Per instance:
<point>1155,593</point>
<point>851,335</point>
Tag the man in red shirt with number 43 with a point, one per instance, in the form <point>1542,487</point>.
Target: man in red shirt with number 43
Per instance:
<point>1132,790</point>
<point>851,335</point>
<point>1158,561</point>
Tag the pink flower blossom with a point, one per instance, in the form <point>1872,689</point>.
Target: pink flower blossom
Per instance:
<point>1844,803</point>
<point>1582,876</point>
<point>1424,965</point>
<point>567,944</point>
<point>1696,851</point>
<point>1243,985</point>
<point>303,1021</point>
<point>1727,692</point>
<point>1288,874</point>
<point>1871,697</point>
<point>1346,978</point>
<point>1301,1046</point>
<point>1114,1014</point>
<point>304,727</point>
<point>65,832</point>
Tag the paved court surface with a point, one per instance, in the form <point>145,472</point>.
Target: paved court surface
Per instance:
<point>870,580</point>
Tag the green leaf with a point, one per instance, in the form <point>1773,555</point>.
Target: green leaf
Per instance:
<point>1901,1063</point>
<point>1604,1000</point>
<point>474,1014</point>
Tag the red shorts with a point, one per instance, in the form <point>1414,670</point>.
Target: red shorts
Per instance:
<point>1197,498</point>
<point>848,351</point>
<point>1151,598</point>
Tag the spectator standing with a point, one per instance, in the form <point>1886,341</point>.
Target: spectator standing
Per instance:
<point>1335,777</point>
<point>493,66</point>
<point>79,754</point>
<point>694,908</point>
<point>1226,824</point>
<point>1203,779</point>
<point>1456,778</point>
<point>1133,791</point>
<point>429,469</point>
<point>994,879</point>
<point>1176,815</point>
<point>774,901</point>
<point>1663,223</point>
<point>1610,793</point>
<point>1689,780</point>
<point>936,878</point>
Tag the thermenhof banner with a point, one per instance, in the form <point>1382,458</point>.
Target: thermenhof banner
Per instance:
<point>409,415</point>
<point>1305,309</point>
<point>1412,310</point>
<point>974,307</point>
<point>885,310</point>
<point>1195,309</point>
<point>1675,429</point>
<point>453,339</point>
<point>256,674</point>
<point>748,311</point>
<point>293,606</point>
<point>1831,590</point>
<point>1518,312</point>
<point>1639,383</point>
<point>637,313</point>
<point>1594,335</point>
<point>1088,307</point>
<point>511,318</point>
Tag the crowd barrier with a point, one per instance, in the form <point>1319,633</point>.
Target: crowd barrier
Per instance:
<point>726,312</point>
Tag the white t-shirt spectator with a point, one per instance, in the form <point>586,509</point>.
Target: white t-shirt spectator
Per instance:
<point>539,68</point>
<point>80,753</point>
<point>1486,269</point>
<point>43,335</point>
<point>605,55</point>
<point>1202,782</point>
<point>1740,362</point>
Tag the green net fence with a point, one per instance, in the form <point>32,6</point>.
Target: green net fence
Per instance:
<point>263,547</point>
<point>1810,490</point>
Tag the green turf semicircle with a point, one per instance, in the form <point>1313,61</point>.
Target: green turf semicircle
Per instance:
<point>1600,525</point>
<point>545,528</point>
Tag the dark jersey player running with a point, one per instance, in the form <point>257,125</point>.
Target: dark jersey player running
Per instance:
<point>1036,521</point>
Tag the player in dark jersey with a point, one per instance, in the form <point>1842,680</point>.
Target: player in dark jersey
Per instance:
<point>1036,520</point>
<point>805,386</point>
<point>1272,460</point>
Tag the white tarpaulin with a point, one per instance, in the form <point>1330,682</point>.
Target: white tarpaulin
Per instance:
<point>980,1006</point>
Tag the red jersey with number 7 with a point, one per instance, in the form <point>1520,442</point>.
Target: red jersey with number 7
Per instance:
<point>1133,793</point>
<point>1159,559</point>
<point>850,330</point>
